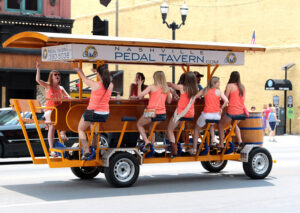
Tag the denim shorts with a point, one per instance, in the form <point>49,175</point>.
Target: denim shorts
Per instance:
<point>272,125</point>
<point>94,117</point>
<point>159,117</point>
<point>236,117</point>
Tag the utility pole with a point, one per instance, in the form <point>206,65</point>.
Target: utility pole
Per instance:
<point>117,25</point>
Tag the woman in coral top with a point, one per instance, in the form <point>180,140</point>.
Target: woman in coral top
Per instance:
<point>53,91</point>
<point>185,107</point>
<point>158,94</point>
<point>98,108</point>
<point>212,108</point>
<point>235,92</point>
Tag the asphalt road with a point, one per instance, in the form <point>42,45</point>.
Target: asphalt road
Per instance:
<point>181,187</point>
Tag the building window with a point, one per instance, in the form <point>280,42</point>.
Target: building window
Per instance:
<point>24,6</point>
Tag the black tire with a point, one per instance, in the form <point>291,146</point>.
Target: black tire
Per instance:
<point>214,166</point>
<point>259,163</point>
<point>85,172</point>
<point>123,170</point>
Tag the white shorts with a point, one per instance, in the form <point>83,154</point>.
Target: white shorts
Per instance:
<point>47,112</point>
<point>210,116</point>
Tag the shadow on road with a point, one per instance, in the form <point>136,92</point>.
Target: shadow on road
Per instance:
<point>98,188</point>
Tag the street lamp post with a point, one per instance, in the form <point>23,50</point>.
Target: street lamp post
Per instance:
<point>164,11</point>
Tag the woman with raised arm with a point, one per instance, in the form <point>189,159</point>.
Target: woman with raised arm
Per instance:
<point>185,108</point>
<point>235,92</point>
<point>158,94</point>
<point>98,107</point>
<point>53,91</point>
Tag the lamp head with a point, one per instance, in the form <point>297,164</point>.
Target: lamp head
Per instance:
<point>164,11</point>
<point>184,11</point>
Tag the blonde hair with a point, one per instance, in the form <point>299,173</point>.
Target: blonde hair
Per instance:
<point>273,109</point>
<point>50,77</point>
<point>160,79</point>
<point>211,83</point>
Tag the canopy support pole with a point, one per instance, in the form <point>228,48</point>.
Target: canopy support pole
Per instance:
<point>211,74</point>
<point>79,78</point>
<point>187,69</point>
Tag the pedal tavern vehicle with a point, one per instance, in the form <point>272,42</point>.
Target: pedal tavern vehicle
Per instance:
<point>120,162</point>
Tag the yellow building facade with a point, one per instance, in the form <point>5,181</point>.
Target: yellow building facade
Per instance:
<point>276,24</point>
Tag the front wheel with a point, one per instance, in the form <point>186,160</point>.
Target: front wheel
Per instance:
<point>86,172</point>
<point>123,170</point>
<point>259,164</point>
<point>214,166</point>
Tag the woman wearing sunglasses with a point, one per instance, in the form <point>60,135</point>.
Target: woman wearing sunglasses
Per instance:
<point>53,91</point>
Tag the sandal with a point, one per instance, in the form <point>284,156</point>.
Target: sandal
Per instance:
<point>85,156</point>
<point>53,154</point>
<point>174,149</point>
<point>220,147</point>
<point>193,151</point>
<point>146,148</point>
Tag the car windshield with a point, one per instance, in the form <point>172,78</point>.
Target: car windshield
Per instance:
<point>6,116</point>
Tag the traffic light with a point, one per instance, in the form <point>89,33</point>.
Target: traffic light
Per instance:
<point>100,27</point>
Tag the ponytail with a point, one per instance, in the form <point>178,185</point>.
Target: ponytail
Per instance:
<point>104,73</point>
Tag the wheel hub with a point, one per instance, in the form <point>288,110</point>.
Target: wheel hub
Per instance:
<point>124,170</point>
<point>260,163</point>
<point>216,163</point>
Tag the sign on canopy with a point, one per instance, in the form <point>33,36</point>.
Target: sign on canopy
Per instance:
<point>144,55</point>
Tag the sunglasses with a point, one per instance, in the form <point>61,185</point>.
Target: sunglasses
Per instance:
<point>56,74</point>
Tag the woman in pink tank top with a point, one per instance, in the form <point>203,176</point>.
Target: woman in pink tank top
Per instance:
<point>53,91</point>
<point>185,107</point>
<point>235,92</point>
<point>212,108</point>
<point>98,108</point>
<point>158,94</point>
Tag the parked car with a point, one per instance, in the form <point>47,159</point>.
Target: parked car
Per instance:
<point>13,144</point>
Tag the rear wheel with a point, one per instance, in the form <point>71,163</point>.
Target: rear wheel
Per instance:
<point>259,163</point>
<point>123,170</point>
<point>86,172</point>
<point>214,166</point>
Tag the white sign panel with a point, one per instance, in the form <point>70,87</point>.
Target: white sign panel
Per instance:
<point>147,55</point>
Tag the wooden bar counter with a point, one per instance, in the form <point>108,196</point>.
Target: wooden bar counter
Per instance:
<point>72,110</point>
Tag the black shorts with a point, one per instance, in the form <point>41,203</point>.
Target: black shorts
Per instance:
<point>94,117</point>
<point>236,117</point>
<point>159,117</point>
<point>272,125</point>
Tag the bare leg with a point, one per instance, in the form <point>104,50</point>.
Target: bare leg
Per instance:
<point>95,135</point>
<point>83,125</point>
<point>63,135</point>
<point>212,133</point>
<point>196,137</point>
<point>51,130</point>
<point>140,125</point>
<point>224,120</point>
<point>238,134</point>
<point>171,126</point>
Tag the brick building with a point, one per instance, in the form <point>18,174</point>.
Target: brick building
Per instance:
<point>17,66</point>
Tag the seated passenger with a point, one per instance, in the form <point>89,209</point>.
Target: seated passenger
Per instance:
<point>158,94</point>
<point>185,108</point>
<point>133,92</point>
<point>198,76</point>
<point>212,109</point>
<point>98,108</point>
<point>235,92</point>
